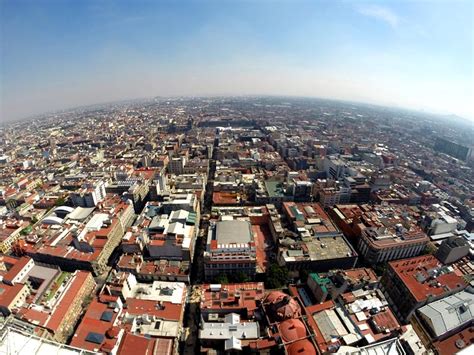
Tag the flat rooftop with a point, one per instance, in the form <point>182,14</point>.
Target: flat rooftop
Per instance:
<point>329,248</point>
<point>232,232</point>
<point>322,248</point>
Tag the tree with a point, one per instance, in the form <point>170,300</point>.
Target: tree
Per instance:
<point>60,201</point>
<point>277,276</point>
<point>240,277</point>
<point>430,249</point>
<point>221,279</point>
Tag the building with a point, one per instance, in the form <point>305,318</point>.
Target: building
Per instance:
<point>452,250</point>
<point>241,298</point>
<point>14,286</point>
<point>230,335</point>
<point>381,233</point>
<point>316,254</point>
<point>335,168</point>
<point>80,238</point>
<point>9,233</point>
<point>418,281</point>
<point>439,220</point>
<point>316,243</point>
<point>127,308</point>
<point>58,311</point>
<point>376,245</point>
<point>19,337</point>
<point>89,195</point>
<point>448,315</point>
<point>456,150</point>
<point>176,165</point>
<point>336,282</point>
<point>356,319</point>
<point>230,248</point>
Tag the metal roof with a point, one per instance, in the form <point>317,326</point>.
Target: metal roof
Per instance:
<point>449,313</point>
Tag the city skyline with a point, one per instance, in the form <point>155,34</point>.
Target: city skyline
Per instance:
<point>58,55</point>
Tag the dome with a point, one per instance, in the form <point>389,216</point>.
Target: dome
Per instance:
<point>301,347</point>
<point>275,296</point>
<point>282,306</point>
<point>292,329</point>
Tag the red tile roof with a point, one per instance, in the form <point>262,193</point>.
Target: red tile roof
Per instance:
<point>415,274</point>
<point>168,311</point>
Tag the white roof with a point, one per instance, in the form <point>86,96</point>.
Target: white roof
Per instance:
<point>18,342</point>
<point>64,208</point>
<point>95,223</point>
<point>52,220</point>
<point>450,312</point>
<point>388,347</point>
<point>163,291</point>
<point>80,213</point>
<point>224,331</point>
<point>179,214</point>
<point>233,343</point>
<point>176,228</point>
<point>329,324</point>
<point>232,318</point>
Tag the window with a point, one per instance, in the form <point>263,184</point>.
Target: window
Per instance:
<point>95,338</point>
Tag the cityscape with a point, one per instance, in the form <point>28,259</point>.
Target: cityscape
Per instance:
<point>269,225</point>
<point>234,177</point>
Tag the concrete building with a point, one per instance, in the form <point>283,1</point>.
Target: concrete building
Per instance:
<point>240,298</point>
<point>89,195</point>
<point>418,281</point>
<point>448,315</point>
<point>381,233</point>
<point>10,233</point>
<point>317,244</point>
<point>376,245</point>
<point>456,150</point>
<point>60,312</point>
<point>82,240</point>
<point>335,168</point>
<point>452,250</point>
<point>336,282</point>
<point>230,248</point>
<point>18,337</point>
<point>230,335</point>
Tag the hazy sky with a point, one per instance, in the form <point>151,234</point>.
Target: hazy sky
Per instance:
<point>60,54</point>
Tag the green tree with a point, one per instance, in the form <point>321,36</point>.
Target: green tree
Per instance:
<point>240,277</point>
<point>429,249</point>
<point>60,202</point>
<point>277,276</point>
<point>221,279</point>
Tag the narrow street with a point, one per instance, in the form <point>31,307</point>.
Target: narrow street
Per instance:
<point>192,314</point>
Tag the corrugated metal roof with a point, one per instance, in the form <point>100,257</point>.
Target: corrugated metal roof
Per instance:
<point>449,313</point>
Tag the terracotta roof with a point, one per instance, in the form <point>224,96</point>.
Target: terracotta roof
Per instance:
<point>16,268</point>
<point>425,276</point>
<point>301,347</point>
<point>292,329</point>
<point>168,311</point>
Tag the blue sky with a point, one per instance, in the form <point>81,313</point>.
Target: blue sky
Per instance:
<point>60,54</point>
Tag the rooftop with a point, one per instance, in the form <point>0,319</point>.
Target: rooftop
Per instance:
<point>232,296</point>
<point>233,232</point>
<point>449,313</point>
<point>425,276</point>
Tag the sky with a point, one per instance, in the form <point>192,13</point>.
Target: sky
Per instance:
<point>62,54</point>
